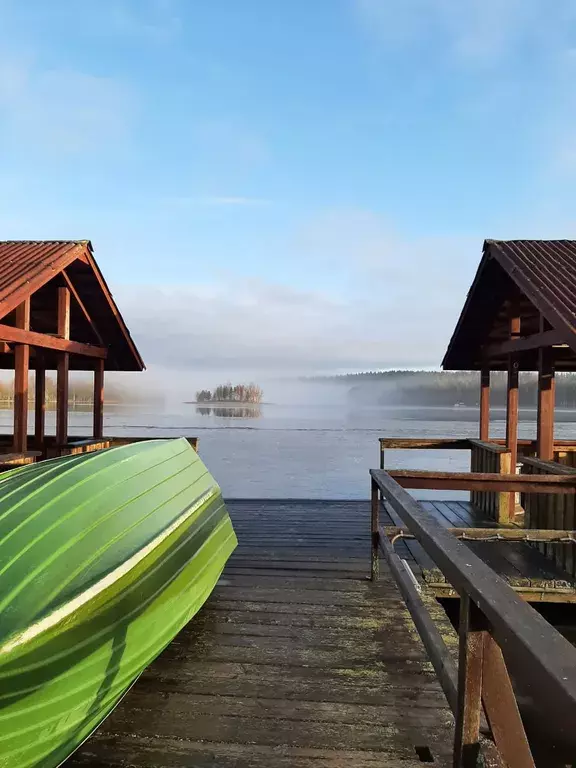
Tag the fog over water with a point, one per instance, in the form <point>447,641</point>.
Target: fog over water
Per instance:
<point>306,440</point>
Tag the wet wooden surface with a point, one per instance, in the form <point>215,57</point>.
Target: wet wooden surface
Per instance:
<point>296,661</point>
<point>534,576</point>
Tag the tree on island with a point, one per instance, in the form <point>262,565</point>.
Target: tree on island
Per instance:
<point>226,393</point>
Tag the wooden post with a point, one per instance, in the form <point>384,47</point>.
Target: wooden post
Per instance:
<point>512,400</point>
<point>502,710</point>
<point>374,530</point>
<point>470,660</point>
<point>99,399</point>
<point>21,368</point>
<point>485,404</point>
<point>546,396</point>
<point>40,405</point>
<point>505,502</point>
<point>63,368</point>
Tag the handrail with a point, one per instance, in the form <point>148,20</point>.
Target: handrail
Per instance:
<point>127,440</point>
<point>426,443</point>
<point>85,441</point>
<point>431,443</point>
<point>487,445</point>
<point>550,467</point>
<point>484,481</point>
<point>496,628</point>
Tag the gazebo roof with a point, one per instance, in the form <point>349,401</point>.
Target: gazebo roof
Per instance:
<point>537,276</point>
<point>35,270</point>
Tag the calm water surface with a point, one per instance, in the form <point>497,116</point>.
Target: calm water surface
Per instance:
<point>304,451</point>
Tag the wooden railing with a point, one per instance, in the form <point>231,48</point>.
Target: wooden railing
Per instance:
<point>89,444</point>
<point>490,457</point>
<point>123,440</point>
<point>428,444</point>
<point>485,457</point>
<point>50,449</point>
<point>553,511</point>
<point>499,635</point>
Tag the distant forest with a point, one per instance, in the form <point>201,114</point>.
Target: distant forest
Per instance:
<point>227,393</point>
<point>80,393</point>
<point>445,388</point>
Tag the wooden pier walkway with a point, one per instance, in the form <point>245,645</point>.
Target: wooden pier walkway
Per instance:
<point>296,661</point>
<point>533,576</point>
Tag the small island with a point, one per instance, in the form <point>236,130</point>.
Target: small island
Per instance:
<point>227,394</point>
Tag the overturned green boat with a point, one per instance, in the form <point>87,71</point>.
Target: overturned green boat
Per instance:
<point>104,557</point>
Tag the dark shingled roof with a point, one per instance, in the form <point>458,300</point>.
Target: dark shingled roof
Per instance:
<point>33,267</point>
<point>543,273</point>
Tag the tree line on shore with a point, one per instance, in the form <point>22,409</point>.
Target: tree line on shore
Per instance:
<point>80,392</point>
<point>446,388</point>
<point>228,393</point>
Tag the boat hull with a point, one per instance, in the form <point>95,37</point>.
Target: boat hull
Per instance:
<point>62,675</point>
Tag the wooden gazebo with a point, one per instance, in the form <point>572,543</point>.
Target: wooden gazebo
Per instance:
<point>520,315</point>
<point>57,313</point>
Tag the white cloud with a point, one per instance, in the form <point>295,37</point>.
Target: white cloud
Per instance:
<point>369,247</point>
<point>481,30</point>
<point>60,110</point>
<point>397,305</point>
<point>153,20</point>
<point>220,200</point>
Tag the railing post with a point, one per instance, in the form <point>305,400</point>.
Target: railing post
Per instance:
<point>502,709</point>
<point>485,404</point>
<point>505,502</point>
<point>375,535</point>
<point>470,660</point>
<point>381,455</point>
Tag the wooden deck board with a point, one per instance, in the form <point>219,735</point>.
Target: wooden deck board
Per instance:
<point>296,661</point>
<point>532,575</point>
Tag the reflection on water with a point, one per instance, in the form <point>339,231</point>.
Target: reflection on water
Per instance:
<point>236,411</point>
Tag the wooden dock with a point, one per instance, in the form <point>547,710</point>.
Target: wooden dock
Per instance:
<point>296,661</point>
<point>533,576</point>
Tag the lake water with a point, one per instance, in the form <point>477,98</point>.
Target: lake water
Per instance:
<point>305,451</point>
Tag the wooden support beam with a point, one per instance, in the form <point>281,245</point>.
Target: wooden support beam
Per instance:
<point>485,404</point>
<point>512,398</point>
<point>80,303</point>
<point>519,343</point>
<point>40,407</point>
<point>99,399</point>
<point>502,710</point>
<point>472,635</point>
<point>64,312</point>
<point>483,481</point>
<point>45,341</point>
<point>546,397</point>
<point>63,368</point>
<point>21,370</point>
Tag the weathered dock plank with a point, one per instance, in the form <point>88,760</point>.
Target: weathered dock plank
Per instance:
<point>296,661</point>
<point>535,577</point>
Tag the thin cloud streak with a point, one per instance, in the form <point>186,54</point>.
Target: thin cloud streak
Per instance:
<point>221,201</point>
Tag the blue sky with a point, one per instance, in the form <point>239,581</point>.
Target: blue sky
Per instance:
<point>288,186</point>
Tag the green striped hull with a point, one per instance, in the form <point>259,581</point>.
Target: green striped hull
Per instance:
<point>103,558</point>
